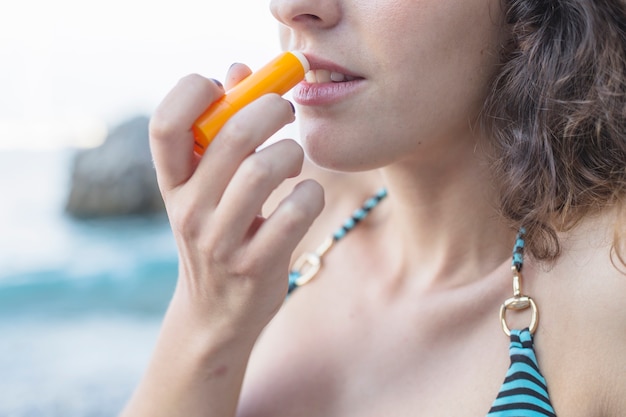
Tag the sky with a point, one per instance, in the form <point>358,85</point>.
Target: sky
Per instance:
<point>71,69</point>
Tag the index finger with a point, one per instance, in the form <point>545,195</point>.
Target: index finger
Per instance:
<point>171,137</point>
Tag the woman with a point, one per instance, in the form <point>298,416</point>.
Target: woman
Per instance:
<point>482,120</point>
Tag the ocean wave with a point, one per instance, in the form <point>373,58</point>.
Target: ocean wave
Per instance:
<point>144,290</point>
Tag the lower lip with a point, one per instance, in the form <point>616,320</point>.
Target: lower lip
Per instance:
<point>324,94</point>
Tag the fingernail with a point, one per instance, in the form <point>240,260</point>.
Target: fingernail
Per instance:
<point>293,108</point>
<point>219,84</point>
<point>232,65</point>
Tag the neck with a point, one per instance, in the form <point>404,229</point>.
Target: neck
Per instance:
<point>443,218</point>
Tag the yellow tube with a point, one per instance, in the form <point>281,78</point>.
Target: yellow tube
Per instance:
<point>278,76</point>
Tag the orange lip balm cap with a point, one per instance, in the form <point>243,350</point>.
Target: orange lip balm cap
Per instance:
<point>278,76</point>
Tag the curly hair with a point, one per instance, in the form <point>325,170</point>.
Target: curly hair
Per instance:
<point>557,115</point>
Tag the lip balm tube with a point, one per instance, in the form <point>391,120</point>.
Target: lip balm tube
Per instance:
<point>278,76</point>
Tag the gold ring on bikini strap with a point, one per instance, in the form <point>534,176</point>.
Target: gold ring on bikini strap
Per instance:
<point>308,265</point>
<point>519,302</point>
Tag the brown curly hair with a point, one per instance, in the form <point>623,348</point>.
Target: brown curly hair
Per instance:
<point>557,115</point>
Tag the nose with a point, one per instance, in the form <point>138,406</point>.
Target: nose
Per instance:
<point>307,14</point>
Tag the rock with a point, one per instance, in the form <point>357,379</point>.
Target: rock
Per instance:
<point>116,178</point>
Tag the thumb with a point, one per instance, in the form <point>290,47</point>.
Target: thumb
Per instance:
<point>235,74</point>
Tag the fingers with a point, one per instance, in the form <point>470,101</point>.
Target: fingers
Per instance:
<point>171,139</point>
<point>237,140</point>
<point>225,189</point>
<point>282,231</point>
<point>236,73</point>
<point>214,201</point>
<point>250,187</point>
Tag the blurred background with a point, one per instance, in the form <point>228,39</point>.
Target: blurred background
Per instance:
<point>87,261</point>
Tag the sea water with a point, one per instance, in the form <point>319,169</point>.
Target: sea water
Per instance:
<point>80,301</point>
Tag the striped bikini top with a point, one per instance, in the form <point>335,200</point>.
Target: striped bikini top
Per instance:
<point>524,392</point>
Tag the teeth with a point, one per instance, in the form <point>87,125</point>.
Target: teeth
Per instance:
<point>310,77</point>
<point>337,77</point>
<point>324,76</point>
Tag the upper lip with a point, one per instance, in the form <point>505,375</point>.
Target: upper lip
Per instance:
<point>318,63</point>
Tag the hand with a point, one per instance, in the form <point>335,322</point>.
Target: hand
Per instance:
<point>233,262</point>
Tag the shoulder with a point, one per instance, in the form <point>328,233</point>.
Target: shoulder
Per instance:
<point>604,323</point>
<point>585,319</point>
<point>603,320</point>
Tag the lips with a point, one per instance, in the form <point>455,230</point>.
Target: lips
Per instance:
<point>326,83</point>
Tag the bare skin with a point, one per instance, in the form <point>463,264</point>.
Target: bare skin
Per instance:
<point>352,343</point>
<point>403,318</point>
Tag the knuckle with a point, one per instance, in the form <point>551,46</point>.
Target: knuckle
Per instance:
<point>161,127</point>
<point>257,171</point>
<point>164,122</point>
<point>240,133</point>
<point>202,239</point>
<point>242,266</point>
<point>231,262</point>
<point>217,254</point>
<point>183,221</point>
<point>237,265</point>
<point>236,133</point>
<point>294,214</point>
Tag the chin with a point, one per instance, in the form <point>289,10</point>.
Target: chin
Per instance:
<point>336,155</point>
<point>341,147</point>
<point>323,145</point>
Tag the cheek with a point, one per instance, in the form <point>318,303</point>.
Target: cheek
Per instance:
<point>442,66</point>
<point>430,64</point>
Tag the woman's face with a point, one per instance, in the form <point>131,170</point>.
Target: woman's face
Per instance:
<point>392,78</point>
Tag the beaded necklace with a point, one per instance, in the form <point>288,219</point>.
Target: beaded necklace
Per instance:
<point>307,266</point>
